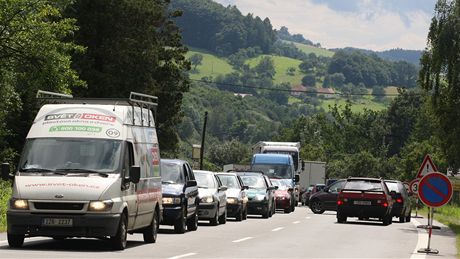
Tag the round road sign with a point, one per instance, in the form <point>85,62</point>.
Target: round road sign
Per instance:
<point>413,186</point>
<point>435,189</point>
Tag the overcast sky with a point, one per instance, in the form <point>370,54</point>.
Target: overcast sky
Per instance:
<point>369,24</point>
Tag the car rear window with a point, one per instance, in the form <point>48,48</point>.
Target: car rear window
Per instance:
<point>392,186</point>
<point>363,185</point>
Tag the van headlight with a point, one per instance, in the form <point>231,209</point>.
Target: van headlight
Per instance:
<point>100,205</point>
<point>207,199</point>
<point>232,200</point>
<point>19,204</point>
<point>171,200</point>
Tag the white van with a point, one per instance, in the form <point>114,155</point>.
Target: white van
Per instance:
<point>89,168</point>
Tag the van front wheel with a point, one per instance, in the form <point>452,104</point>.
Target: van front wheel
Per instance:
<point>15,241</point>
<point>151,232</point>
<point>119,241</point>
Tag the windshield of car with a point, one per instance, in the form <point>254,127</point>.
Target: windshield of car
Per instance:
<point>274,171</point>
<point>363,185</point>
<point>205,180</point>
<point>230,181</point>
<point>281,183</point>
<point>392,186</point>
<point>171,173</point>
<point>253,181</point>
<point>51,154</point>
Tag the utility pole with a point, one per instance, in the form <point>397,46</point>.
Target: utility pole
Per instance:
<point>202,140</point>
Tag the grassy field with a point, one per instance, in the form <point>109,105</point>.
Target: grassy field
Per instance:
<point>5,193</point>
<point>449,216</point>
<point>307,49</point>
<point>281,66</point>
<point>211,66</point>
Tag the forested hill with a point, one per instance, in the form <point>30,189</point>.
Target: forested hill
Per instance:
<point>222,30</point>
<point>411,56</point>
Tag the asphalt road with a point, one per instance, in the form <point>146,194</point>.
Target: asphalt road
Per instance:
<point>297,235</point>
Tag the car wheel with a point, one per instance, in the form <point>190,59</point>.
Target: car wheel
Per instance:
<point>293,207</point>
<point>215,221</point>
<point>245,215</point>
<point>119,241</point>
<point>15,241</point>
<point>192,223</point>
<point>181,224</point>
<point>316,207</point>
<point>386,220</point>
<point>408,218</point>
<point>223,217</point>
<point>239,216</point>
<point>401,219</point>
<point>341,218</point>
<point>266,213</point>
<point>151,232</point>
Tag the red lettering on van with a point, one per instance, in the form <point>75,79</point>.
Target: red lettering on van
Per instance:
<point>98,117</point>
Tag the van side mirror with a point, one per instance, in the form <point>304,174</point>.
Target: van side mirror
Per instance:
<point>6,172</point>
<point>191,183</point>
<point>135,174</point>
<point>297,178</point>
<point>303,165</point>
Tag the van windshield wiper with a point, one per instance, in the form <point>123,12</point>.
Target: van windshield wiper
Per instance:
<point>35,169</point>
<point>79,170</point>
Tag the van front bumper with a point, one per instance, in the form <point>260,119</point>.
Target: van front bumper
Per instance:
<point>88,225</point>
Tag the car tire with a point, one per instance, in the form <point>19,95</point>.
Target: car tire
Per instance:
<point>401,219</point>
<point>245,214</point>
<point>119,241</point>
<point>316,207</point>
<point>180,226</point>
<point>387,220</point>
<point>266,213</point>
<point>151,232</point>
<point>341,218</point>
<point>239,215</point>
<point>408,218</point>
<point>223,217</point>
<point>192,223</point>
<point>15,241</point>
<point>215,221</point>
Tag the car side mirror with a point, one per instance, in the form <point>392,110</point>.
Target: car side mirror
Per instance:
<point>222,188</point>
<point>6,172</point>
<point>191,183</point>
<point>244,187</point>
<point>135,174</point>
<point>290,189</point>
<point>296,178</point>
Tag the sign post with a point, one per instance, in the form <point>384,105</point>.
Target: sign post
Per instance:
<point>413,189</point>
<point>426,168</point>
<point>435,190</point>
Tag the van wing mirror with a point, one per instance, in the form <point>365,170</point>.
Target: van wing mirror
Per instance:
<point>296,178</point>
<point>191,183</point>
<point>135,174</point>
<point>6,172</point>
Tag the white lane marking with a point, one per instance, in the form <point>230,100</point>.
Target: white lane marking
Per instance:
<point>422,241</point>
<point>242,239</point>
<point>296,222</point>
<point>182,256</point>
<point>277,229</point>
<point>308,217</point>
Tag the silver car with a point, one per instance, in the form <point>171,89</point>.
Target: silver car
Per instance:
<point>213,200</point>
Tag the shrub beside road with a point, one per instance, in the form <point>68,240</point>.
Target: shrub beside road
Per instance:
<point>5,193</point>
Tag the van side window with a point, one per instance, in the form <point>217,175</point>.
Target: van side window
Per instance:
<point>128,159</point>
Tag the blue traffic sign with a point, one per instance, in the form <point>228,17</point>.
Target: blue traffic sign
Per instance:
<point>435,189</point>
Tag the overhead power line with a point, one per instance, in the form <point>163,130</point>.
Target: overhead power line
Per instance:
<point>291,91</point>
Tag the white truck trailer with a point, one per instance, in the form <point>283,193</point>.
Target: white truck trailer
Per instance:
<point>270,147</point>
<point>312,172</point>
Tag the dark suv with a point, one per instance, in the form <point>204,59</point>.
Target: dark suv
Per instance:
<point>327,198</point>
<point>402,207</point>
<point>180,195</point>
<point>364,198</point>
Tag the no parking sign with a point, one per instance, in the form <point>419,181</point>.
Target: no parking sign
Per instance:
<point>435,190</point>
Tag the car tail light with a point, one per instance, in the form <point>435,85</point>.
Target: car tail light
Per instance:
<point>399,200</point>
<point>339,202</point>
<point>385,204</point>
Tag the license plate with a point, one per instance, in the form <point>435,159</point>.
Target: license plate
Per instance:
<point>54,222</point>
<point>362,202</point>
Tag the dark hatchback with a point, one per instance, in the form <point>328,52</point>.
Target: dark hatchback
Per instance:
<point>402,206</point>
<point>364,198</point>
<point>261,196</point>
<point>327,198</point>
<point>180,195</point>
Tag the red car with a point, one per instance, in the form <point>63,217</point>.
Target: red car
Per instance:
<point>283,195</point>
<point>365,198</point>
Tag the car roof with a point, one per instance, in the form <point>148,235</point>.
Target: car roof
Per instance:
<point>173,161</point>
<point>364,179</point>
<point>250,173</point>
<point>203,171</point>
<point>226,173</point>
<point>392,181</point>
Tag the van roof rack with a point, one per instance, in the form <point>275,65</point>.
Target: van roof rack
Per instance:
<point>140,100</point>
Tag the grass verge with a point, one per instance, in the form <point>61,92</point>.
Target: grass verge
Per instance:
<point>5,193</point>
<point>450,216</point>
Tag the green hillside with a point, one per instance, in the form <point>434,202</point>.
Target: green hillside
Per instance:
<point>281,66</point>
<point>211,66</point>
<point>311,49</point>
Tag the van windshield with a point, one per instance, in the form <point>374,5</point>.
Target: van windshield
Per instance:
<point>274,170</point>
<point>51,154</point>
